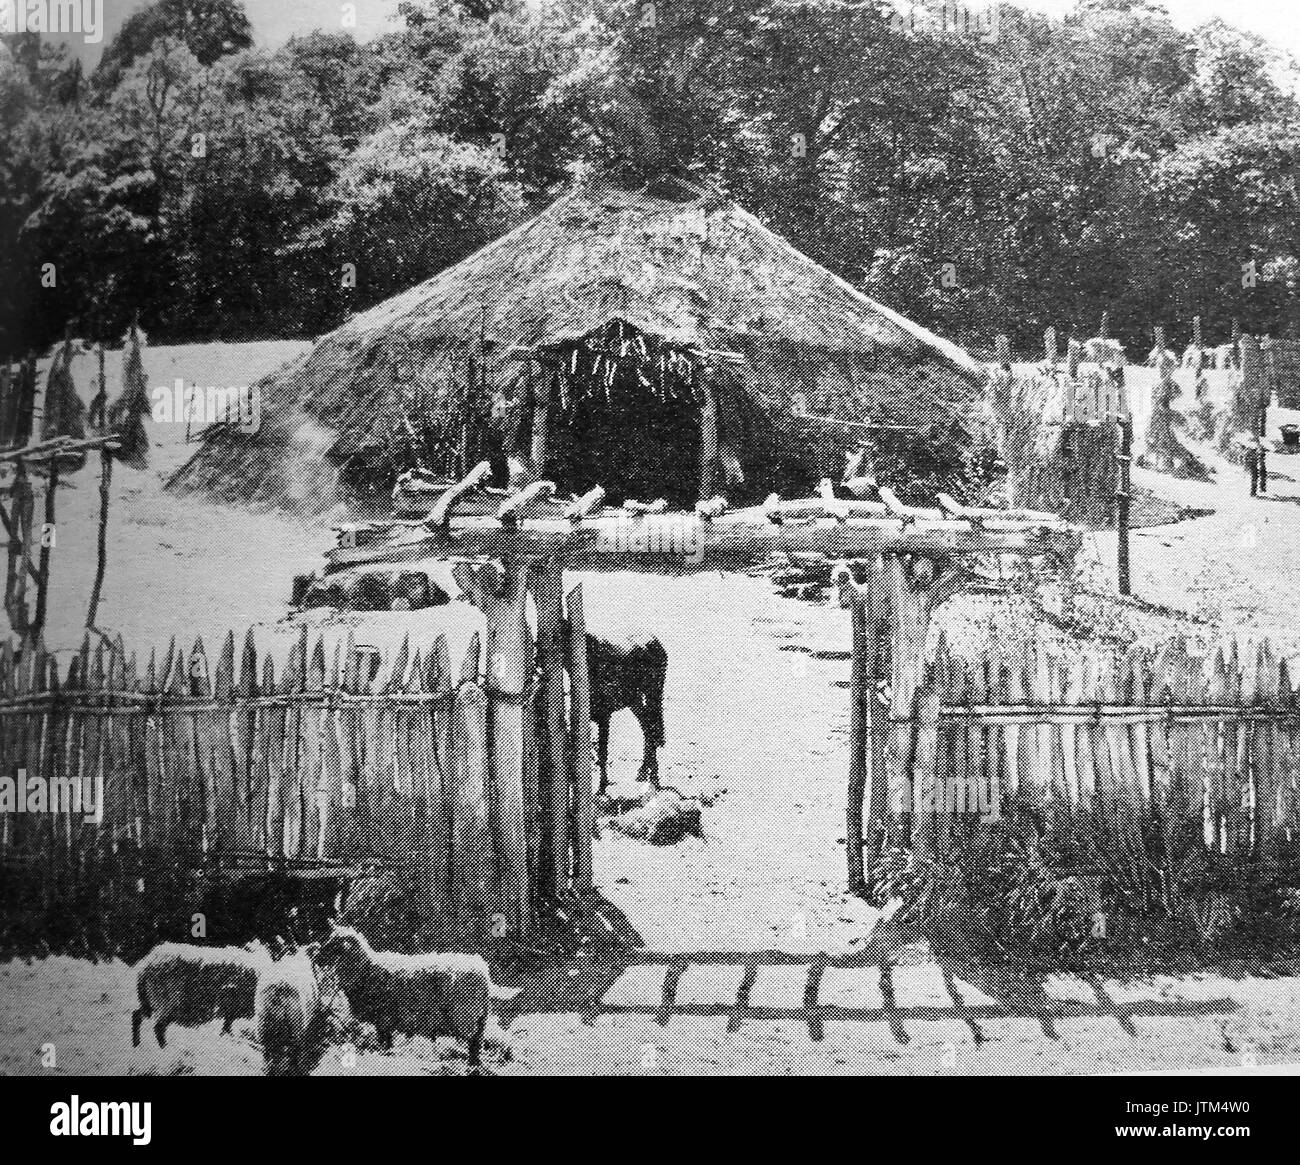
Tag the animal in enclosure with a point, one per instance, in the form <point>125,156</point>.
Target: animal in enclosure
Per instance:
<point>417,995</point>
<point>288,1013</point>
<point>664,818</point>
<point>192,985</point>
<point>628,671</point>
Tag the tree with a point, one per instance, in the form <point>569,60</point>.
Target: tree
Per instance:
<point>1231,213</point>
<point>210,29</point>
<point>1236,78</point>
<point>409,202</point>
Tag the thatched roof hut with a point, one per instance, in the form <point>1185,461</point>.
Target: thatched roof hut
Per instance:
<point>620,324</point>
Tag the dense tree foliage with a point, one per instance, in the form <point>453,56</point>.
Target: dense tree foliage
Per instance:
<point>1110,161</point>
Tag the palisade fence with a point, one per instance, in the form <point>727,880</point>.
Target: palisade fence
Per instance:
<point>344,761</point>
<point>1157,748</point>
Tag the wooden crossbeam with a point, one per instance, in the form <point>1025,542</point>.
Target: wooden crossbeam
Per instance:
<point>681,543</point>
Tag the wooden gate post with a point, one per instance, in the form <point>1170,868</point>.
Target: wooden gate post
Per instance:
<point>858,697</point>
<point>501,593</point>
<point>548,590</point>
<point>584,803</point>
<point>899,596</point>
<point>916,585</point>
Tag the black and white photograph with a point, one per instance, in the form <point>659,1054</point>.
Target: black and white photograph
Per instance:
<point>650,538</point>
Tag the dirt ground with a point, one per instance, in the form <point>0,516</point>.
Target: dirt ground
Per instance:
<point>753,960</point>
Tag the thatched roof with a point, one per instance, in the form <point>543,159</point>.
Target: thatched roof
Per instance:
<point>688,268</point>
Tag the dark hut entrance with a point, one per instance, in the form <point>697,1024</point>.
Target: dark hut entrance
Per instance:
<point>624,413</point>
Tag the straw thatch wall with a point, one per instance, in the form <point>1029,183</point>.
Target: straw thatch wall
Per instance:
<point>694,272</point>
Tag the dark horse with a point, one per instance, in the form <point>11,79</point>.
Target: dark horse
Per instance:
<point>629,673</point>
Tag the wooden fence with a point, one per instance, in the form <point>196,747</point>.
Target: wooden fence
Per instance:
<point>1171,743</point>
<point>342,760</point>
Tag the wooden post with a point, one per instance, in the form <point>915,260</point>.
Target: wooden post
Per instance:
<point>20,530</point>
<point>1123,461</point>
<point>1196,333</point>
<point>1049,346</point>
<point>879,656</point>
<point>858,697</point>
<point>47,534</point>
<point>26,402</point>
<point>1003,347</point>
<point>580,727</point>
<point>1266,382</point>
<point>1072,353</point>
<point>542,422</point>
<point>548,590</point>
<point>925,710</point>
<point>708,436</point>
<point>8,400</point>
<point>501,594</point>
<point>471,842</point>
<point>915,585</point>
<point>1104,330</point>
<point>907,581</point>
<point>99,417</point>
<point>101,562</point>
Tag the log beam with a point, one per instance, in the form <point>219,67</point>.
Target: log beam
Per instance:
<point>678,543</point>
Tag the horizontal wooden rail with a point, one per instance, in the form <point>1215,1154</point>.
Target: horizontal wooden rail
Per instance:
<point>1112,714</point>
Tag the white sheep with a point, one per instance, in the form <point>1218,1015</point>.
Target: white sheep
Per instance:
<point>192,985</point>
<point>428,995</point>
<point>288,1009</point>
